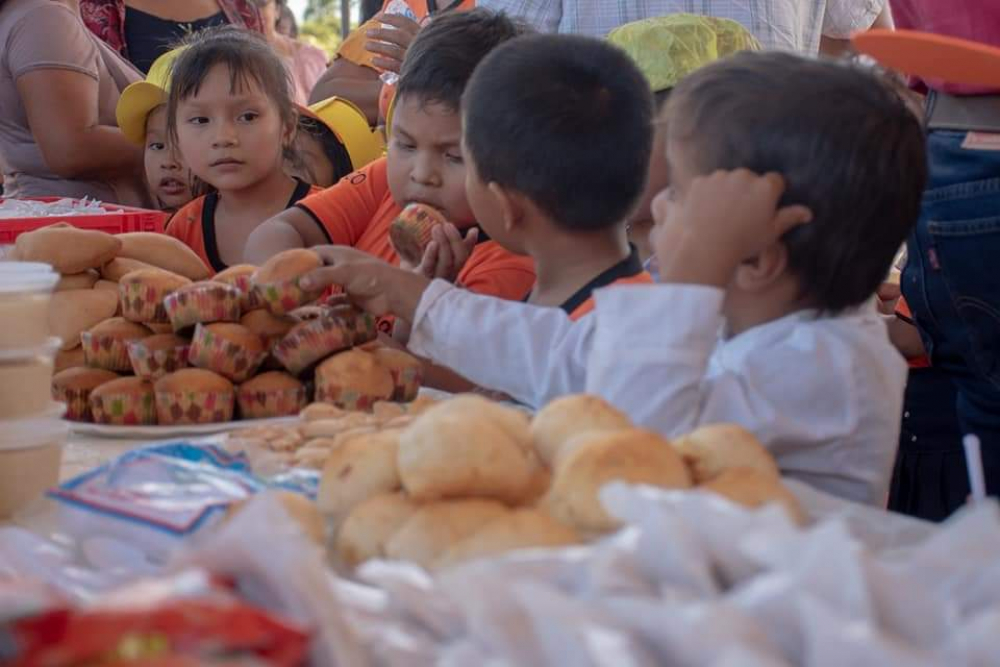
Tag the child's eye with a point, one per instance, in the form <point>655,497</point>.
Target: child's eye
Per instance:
<point>156,146</point>
<point>198,120</point>
<point>248,117</point>
<point>402,145</point>
<point>454,159</point>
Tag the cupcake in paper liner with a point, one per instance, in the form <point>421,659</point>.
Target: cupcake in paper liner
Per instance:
<point>124,402</point>
<point>142,292</point>
<point>106,344</point>
<point>273,394</point>
<point>407,372</point>
<point>353,380</point>
<point>410,232</point>
<point>278,282</point>
<point>312,341</point>
<point>202,303</point>
<point>359,323</point>
<point>73,387</point>
<point>159,355</point>
<point>231,350</point>
<point>241,277</point>
<point>194,396</point>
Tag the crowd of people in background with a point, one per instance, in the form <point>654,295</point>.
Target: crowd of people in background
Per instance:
<point>257,141</point>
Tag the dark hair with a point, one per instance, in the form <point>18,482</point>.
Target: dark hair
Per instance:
<point>248,57</point>
<point>565,121</point>
<point>334,150</point>
<point>845,142</point>
<point>443,56</point>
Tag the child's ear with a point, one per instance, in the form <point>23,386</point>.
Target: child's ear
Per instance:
<point>760,272</point>
<point>508,205</point>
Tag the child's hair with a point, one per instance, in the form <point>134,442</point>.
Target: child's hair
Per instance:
<point>334,150</point>
<point>247,56</point>
<point>441,59</point>
<point>845,142</point>
<point>565,121</point>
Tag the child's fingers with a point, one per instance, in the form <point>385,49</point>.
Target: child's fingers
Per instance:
<point>428,262</point>
<point>789,217</point>
<point>446,257</point>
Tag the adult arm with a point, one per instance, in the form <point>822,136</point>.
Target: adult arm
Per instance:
<point>356,83</point>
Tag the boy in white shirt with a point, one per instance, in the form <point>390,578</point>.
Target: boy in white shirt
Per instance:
<point>764,315</point>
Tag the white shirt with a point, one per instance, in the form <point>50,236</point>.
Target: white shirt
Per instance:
<point>823,394</point>
<point>788,25</point>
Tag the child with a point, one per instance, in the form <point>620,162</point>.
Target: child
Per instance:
<point>230,114</point>
<point>424,163</point>
<point>783,265</point>
<point>142,117</point>
<point>333,139</point>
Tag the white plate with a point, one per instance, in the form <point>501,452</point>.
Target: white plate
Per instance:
<point>178,431</point>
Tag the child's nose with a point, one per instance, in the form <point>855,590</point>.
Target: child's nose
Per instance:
<point>225,135</point>
<point>425,172</point>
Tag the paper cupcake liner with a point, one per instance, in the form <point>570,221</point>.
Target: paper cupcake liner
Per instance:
<point>313,341</point>
<point>154,364</point>
<point>285,296</point>
<point>142,303</point>
<point>346,398</point>
<point>410,236</point>
<point>194,407</point>
<point>106,352</point>
<point>407,382</point>
<point>77,403</point>
<point>210,303</point>
<point>274,403</point>
<point>361,325</point>
<point>249,299</point>
<point>124,409</point>
<point>214,353</point>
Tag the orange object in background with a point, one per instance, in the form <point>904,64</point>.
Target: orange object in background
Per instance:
<point>932,57</point>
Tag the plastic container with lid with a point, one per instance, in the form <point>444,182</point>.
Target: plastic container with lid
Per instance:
<point>30,457</point>
<point>26,380</point>
<point>25,290</point>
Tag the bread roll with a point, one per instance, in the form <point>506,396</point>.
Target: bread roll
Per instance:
<point>753,488</point>
<point>164,252</point>
<point>355,471</point>
<point>301,510</point>
<point>69,359</point>
<point>567,417</point>
<point>120,267</point>
<point>458,449</point>
<point>75,311</point>
<point>520,529</point>
<point>106,285</point>
<point>590,461</point>
<point>287,265</point>
<point>83,280</point>
<point>438,526</point>
<point>711,450</point>
<point>370,525</point>
<point>68,249</point>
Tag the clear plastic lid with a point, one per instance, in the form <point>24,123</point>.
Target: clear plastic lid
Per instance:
<point>46,428</point>
<point>26,278</point>
<point>47,351</point>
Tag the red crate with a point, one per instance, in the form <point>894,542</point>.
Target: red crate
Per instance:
<point>126,219</point>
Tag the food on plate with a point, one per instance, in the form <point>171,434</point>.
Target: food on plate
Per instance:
<point>124,402</point>
<point>520,529</point>
<point>353,380</point>
<point>569,416</point>
<point>120,267</point>
<point>319,411</point>
<point>271,394</point>
<point>164,252</point>
<point>241,277</point>
<point>277,281</point>
<point>410,232</point>
<point>231,350</point>
<point>73,387</point>
<point>142,293</point>
<point>202,303</point>
<point>301,510</point>
<point>194,396</point>
<point>105,345</point>
<point>407,372</point>
<point>590,461</point>
<point>360,468</point>
<point>711,450</point>
<point>69,359</point>
<point>370,525</point>
<point>67,249</point>
<point>438,526</point>
<point>158,355</point>
<point>74,311</point>
<point>312,341</point>
<point>467,447</point>
<point>83,280</point>
<point>754,488</point>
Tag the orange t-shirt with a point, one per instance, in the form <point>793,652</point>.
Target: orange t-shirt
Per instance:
<point>194,225</point>
<point>358,211</point>
<point>587,307</point>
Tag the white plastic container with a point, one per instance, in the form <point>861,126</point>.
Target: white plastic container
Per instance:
<point>26,380</point>
<point>30,457</point>
<point>25,291</point>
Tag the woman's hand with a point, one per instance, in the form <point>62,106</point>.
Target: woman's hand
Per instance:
<point>390,42</point>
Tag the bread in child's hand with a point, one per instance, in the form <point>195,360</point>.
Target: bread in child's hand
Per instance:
<point>588,462</point>
<point>355,471</point>
<point>120,267</point>
<point>370,525</point>
<point>436,527</point>
<point>75,311</point>
<point>164,252</point>
<point>711,450</point>
<point>83,280</point>
<point>300,509</point>
<point>67,249</point>
<point>411,232</point>
<point>468,446</point>
<point>752,488</point>
<point>520,529</point>
<point>565,418</point>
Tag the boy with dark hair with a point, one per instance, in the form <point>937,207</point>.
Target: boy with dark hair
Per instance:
<point>783,264</point>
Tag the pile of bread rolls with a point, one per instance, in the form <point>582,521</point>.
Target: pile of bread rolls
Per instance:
<point>149,339</point>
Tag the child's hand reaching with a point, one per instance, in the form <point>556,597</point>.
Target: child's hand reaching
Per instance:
<point>723,220</point>
<point>447,252</point>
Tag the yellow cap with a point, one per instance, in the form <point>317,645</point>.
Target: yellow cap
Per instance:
<point>349,123</point>
<point>139,99</point>
<point>668,48</point>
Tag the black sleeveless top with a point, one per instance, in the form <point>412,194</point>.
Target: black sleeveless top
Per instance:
<point>148,37</point>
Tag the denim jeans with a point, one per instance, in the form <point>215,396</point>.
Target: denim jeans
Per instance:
<point>952,283</point>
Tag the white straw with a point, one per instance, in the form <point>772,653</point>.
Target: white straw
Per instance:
<point>974,463</point>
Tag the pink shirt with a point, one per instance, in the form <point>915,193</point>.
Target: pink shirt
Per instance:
<point>306,66</point>
<point>975,20</point>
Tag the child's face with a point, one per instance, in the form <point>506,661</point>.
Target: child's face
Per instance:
<point>169,180</point>
<point>485,207</point>
<point>658,176</point>
<point>316,166</point>
<point>231,139</point>
<point>425,159</point>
